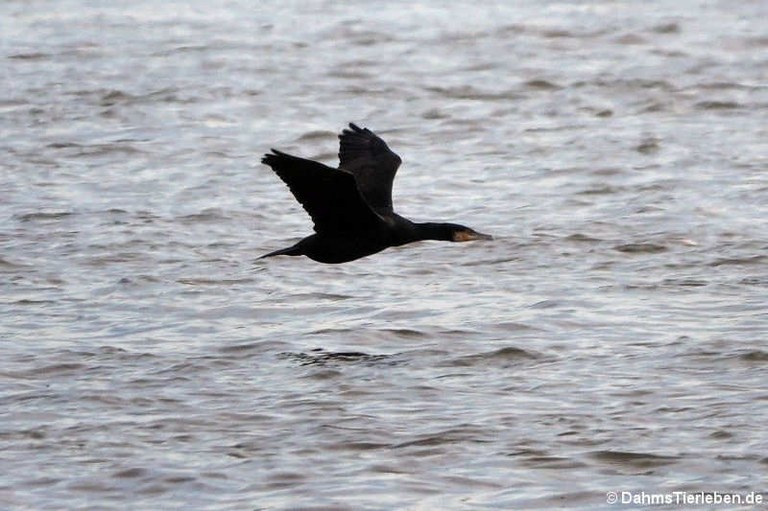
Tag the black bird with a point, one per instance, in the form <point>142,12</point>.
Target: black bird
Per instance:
<point>352,206</point>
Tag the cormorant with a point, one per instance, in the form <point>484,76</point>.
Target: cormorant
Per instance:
<point>351,206</point>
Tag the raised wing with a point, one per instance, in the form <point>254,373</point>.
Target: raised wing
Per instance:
<point>373,164</point>
<point>330,196</point>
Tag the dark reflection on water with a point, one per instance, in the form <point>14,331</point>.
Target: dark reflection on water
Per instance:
<point>610,338</point>
<point>320,357</point>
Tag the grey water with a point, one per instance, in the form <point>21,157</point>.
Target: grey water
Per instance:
<point>612,338</point>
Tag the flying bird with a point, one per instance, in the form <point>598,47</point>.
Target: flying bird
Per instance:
<point>351,206</point>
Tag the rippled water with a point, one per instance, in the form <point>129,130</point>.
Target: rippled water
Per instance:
<point>612,337</point>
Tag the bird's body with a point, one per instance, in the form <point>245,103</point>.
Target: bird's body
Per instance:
<point>351,206</point>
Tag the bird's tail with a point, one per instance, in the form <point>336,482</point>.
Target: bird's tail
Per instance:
<point>291,251</point>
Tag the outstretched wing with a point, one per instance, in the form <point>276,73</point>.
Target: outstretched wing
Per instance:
<point>373,164</point>
<point>330,196</point>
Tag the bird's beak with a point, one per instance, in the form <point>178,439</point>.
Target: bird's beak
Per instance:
<point>471,236</point>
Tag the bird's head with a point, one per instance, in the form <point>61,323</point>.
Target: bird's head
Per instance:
<point>460,233</point>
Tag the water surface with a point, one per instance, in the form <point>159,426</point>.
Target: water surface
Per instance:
<point>611,338</point>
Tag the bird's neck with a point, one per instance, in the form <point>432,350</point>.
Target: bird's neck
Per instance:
<point>432,231</point>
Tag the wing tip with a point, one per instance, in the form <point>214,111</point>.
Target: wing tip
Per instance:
<point>354,129</point>
<point>270,158</point>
